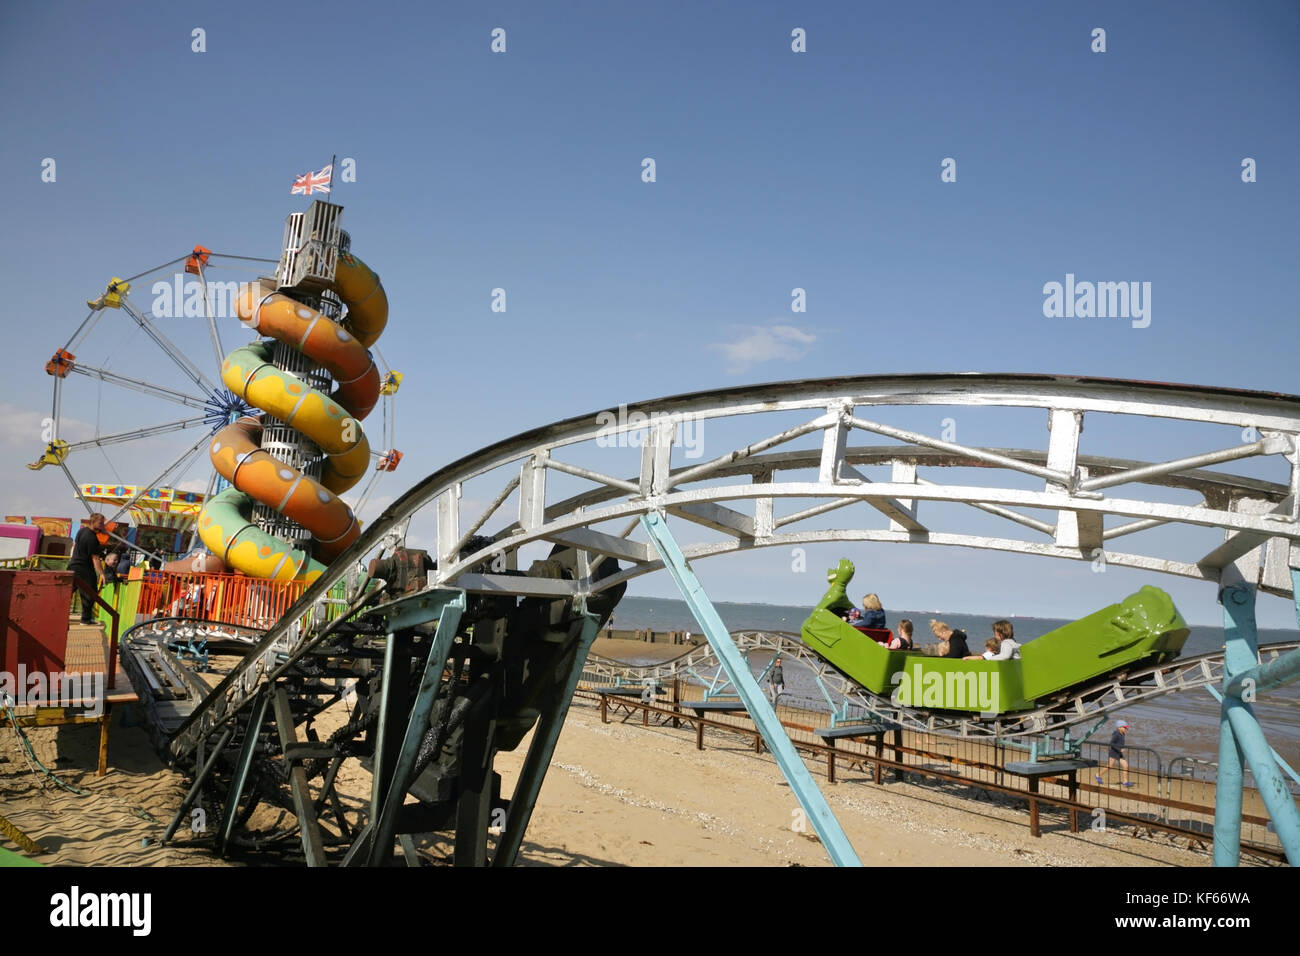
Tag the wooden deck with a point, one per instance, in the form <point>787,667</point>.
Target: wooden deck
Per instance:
<point>88,654</point>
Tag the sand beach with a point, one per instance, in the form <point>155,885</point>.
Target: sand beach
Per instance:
<point>617,794</point>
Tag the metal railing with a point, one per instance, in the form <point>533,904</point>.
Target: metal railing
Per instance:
<point>975,768</point>
<point>228,598</point>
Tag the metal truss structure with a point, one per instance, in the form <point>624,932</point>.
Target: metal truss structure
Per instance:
<point>850,701</point>
<point>782,472</point>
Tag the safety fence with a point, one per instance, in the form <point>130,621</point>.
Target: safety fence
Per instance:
<point>227,598</point>
<point>1161,798</point>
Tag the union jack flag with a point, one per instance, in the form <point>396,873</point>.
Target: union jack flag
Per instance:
<point>308,183</point>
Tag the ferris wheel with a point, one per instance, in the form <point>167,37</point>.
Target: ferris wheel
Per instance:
<point>153,342</point>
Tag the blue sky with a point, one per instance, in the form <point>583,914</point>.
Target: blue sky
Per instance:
<point>775,170</point>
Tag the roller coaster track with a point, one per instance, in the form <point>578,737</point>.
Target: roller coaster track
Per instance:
<point>1077,705</point>
<point>746,496</point>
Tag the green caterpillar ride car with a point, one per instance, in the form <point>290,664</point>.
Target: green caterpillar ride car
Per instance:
<point>1145,628</point>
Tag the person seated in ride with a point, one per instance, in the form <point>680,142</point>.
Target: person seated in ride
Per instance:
<point>990,648</point>
<point>952,643</point>
<point>902,641</point>
<point>854,617</point>
<point>873,615</point>
<point>1007,649</point>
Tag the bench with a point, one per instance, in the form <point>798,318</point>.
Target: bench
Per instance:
<point>728,706</point>
<point>874,730</point>
<point>619,694</point>
<point>1034,771</point>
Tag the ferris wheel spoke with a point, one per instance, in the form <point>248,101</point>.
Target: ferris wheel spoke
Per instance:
<point>217,349</point>
<point>365,493</point>
<point>144,489</point>
<point>76,489</point>
<point>83,329</point>
<point>149,272</point>
<point>227,255</point>
<point>162,478</point>
<point>56,412</point>
<point>147,432</point>
<point>158,391</point>
<point>172,351</point>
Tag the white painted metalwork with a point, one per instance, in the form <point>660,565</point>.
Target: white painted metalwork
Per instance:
<point>735,492</point>
<point>766,488</point>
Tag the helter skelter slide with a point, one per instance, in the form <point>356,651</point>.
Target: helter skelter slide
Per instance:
<point>296,467</point>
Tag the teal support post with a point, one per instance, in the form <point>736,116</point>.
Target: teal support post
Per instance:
<point>1266,676</point>
<point>1241,739</point>
<point>1227,796</point>
<point>1286,767</point>
<point>1240,653</point>
<point>545,736</point>
<point>1272,788</point>
<point>385,811</point>
<point>751,695</point>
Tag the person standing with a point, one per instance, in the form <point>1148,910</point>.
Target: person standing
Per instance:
<point>87,565</point>
<point>777,680</point>
<point>1115,754</point>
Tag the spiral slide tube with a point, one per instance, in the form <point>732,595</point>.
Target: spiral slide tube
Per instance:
<point>331,421</point>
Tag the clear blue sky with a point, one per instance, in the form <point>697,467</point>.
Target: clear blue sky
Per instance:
<point>774,171</point>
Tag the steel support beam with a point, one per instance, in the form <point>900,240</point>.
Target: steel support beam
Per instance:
<point>312,845</point>
<point>394,719</point>
<point>1272,788</point>
<point>760,710</point>
<point>1269,446</point>
<point>474,805</point>
<point>386,815</point>
<point>542,748</point>
<point>246,753</point>
<point>1240,736</point>
<point>199,778</point>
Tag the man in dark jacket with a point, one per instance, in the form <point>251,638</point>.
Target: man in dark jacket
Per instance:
<point>87,565</point>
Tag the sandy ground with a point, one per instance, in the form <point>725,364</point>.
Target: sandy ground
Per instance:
<point>106,826</point>
<point>616,794</point>
<point>623,794</point>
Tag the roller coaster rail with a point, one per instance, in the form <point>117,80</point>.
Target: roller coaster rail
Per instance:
<point>1250,511</point>
<point>742,499</point>
<point>1080,705</point>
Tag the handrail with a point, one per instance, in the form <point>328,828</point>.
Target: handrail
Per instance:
<point>87,591</point>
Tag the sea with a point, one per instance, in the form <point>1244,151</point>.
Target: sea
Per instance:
<point>1182,725</point>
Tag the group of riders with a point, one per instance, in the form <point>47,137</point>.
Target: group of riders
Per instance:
<point>949,642</point>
